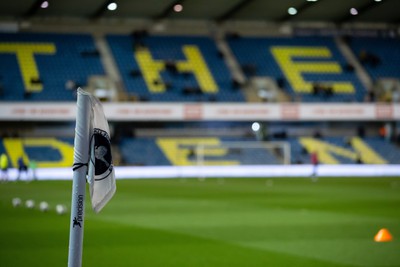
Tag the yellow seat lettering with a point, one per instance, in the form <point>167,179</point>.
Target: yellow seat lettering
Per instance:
<point>194,63</point>
<point>293,70</point>
<point>15,148</point>
<point>25,56</point>
<point>178,151</point>
<point>326,151</point>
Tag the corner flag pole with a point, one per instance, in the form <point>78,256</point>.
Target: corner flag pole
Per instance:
<point>81,158</point>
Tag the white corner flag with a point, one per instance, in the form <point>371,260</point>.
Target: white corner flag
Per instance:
<point>101,175</point>
<point>92,160</point>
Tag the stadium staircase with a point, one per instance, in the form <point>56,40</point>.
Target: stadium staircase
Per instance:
<point>352,61</point>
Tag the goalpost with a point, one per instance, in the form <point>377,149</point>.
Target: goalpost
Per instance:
<point>243,153</point>
<point>238,154</point>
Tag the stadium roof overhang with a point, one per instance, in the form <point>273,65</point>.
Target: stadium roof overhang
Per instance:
<point>383,11</point>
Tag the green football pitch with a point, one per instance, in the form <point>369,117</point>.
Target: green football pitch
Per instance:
<point>211,223</point>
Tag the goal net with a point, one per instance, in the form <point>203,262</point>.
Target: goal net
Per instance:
<point>241,153</point>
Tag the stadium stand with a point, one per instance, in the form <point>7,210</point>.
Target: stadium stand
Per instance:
<point>331,150</point>
<point>181,151</point>
<point>47,152</point>
<point>46,67</point>
<point>307,68</point>
<point>173,68</point>
<point>345,150</point>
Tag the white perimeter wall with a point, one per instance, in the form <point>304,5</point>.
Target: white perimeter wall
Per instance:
<point>206,112</point>
<point>261,171</point>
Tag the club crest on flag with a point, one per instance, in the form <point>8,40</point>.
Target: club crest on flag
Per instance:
<point>102,154</point>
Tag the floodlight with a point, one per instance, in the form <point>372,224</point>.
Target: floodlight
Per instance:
<point>292,11</point>
<point>353,11</point>
<point>255,126</point>
<point>44,4</point>
<point>178,8</point>
<point>112,6</point>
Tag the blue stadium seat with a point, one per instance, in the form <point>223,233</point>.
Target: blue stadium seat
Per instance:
<point>163,49</point>
<point>47,152</point>
<point>258,54</point>
<point>57,58</point>
<point>145,151</point>
<point>384,149</point>
<point>142,152</point>
<point>386,49</point>
<point>297,153</point>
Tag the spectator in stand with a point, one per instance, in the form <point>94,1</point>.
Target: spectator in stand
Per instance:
<point>370,96</point>
<point>367,58</point>
<point>70,85</point>
<point>382,132</point>
<point>359,159</point>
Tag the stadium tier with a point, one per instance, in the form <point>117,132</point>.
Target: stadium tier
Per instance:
<point>178,151</point>
<point>37,67</point>
<point>48,67</point>
<point>170,68</point>
<point>185,152</point>
<point>311,69</point>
